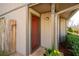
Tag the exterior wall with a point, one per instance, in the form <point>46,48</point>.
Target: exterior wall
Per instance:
<point>46,30</point>
<point>62,29</point>
<point>5,7</point>
<point>31,11</point>
<point>21,17</point>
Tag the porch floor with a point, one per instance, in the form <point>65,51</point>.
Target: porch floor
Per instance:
<point>39,52</point>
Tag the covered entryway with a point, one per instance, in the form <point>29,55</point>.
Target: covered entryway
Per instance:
<point>40,27</point>
<point>52,25</point>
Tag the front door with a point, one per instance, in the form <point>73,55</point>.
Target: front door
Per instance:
<point>35,32</point>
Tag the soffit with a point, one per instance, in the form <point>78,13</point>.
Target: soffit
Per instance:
<point>62,6</point>
<point>42,7</point>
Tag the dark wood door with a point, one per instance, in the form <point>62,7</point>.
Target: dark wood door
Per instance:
<point>35,32</point>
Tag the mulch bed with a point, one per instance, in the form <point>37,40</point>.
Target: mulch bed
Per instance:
<point>66,51</point>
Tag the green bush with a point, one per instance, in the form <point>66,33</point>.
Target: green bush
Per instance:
<point>52,52</point>
<point>73,42</point>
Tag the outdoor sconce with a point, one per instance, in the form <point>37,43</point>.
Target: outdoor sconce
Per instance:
<point>47,18</point>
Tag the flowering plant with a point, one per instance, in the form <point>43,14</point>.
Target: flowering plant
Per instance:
<point>52,52</point>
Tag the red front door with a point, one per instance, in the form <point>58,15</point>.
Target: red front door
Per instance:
<point>35,32</point>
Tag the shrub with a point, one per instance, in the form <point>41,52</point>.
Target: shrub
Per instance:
<point>73,42</point>
<point>70,29</point>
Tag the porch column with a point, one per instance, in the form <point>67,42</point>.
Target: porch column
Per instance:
<point>52,25</point>
<point>27,30</point>
<point>54,28</point>
<point>56,31</point>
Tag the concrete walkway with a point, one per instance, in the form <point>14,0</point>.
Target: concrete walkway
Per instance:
<point>39,52</point>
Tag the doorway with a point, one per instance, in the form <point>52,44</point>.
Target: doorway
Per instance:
<point>35,33</point>
<point>36,28</point>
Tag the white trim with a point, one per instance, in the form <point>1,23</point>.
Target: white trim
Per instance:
<point>69,9</point>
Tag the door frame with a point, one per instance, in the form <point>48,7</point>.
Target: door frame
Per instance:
<point>31,11</point>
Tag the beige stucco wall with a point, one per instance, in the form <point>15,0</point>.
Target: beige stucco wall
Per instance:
<point>46,30</point>
<point>62,29</point>
<point>21,17</point>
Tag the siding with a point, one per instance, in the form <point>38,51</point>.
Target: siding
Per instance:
<point>62,29</point>
<point>5,7</point>
<point>46,30</point>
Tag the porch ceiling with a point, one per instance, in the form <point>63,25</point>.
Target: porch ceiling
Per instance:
<point>42,7</point>
<point>68,14</point>
<point>46,7</point>
<point>62,6</point>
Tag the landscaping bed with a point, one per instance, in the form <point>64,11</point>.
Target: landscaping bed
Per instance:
<point>64,49</point>
<point>71,45</point>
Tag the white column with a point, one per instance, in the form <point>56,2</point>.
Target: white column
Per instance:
<point>27,31</point>
<point>56,31</point>
<point>53,25</point>
<point>54,28</point>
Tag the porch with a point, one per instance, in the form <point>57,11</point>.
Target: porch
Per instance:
<point>54,19</point>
